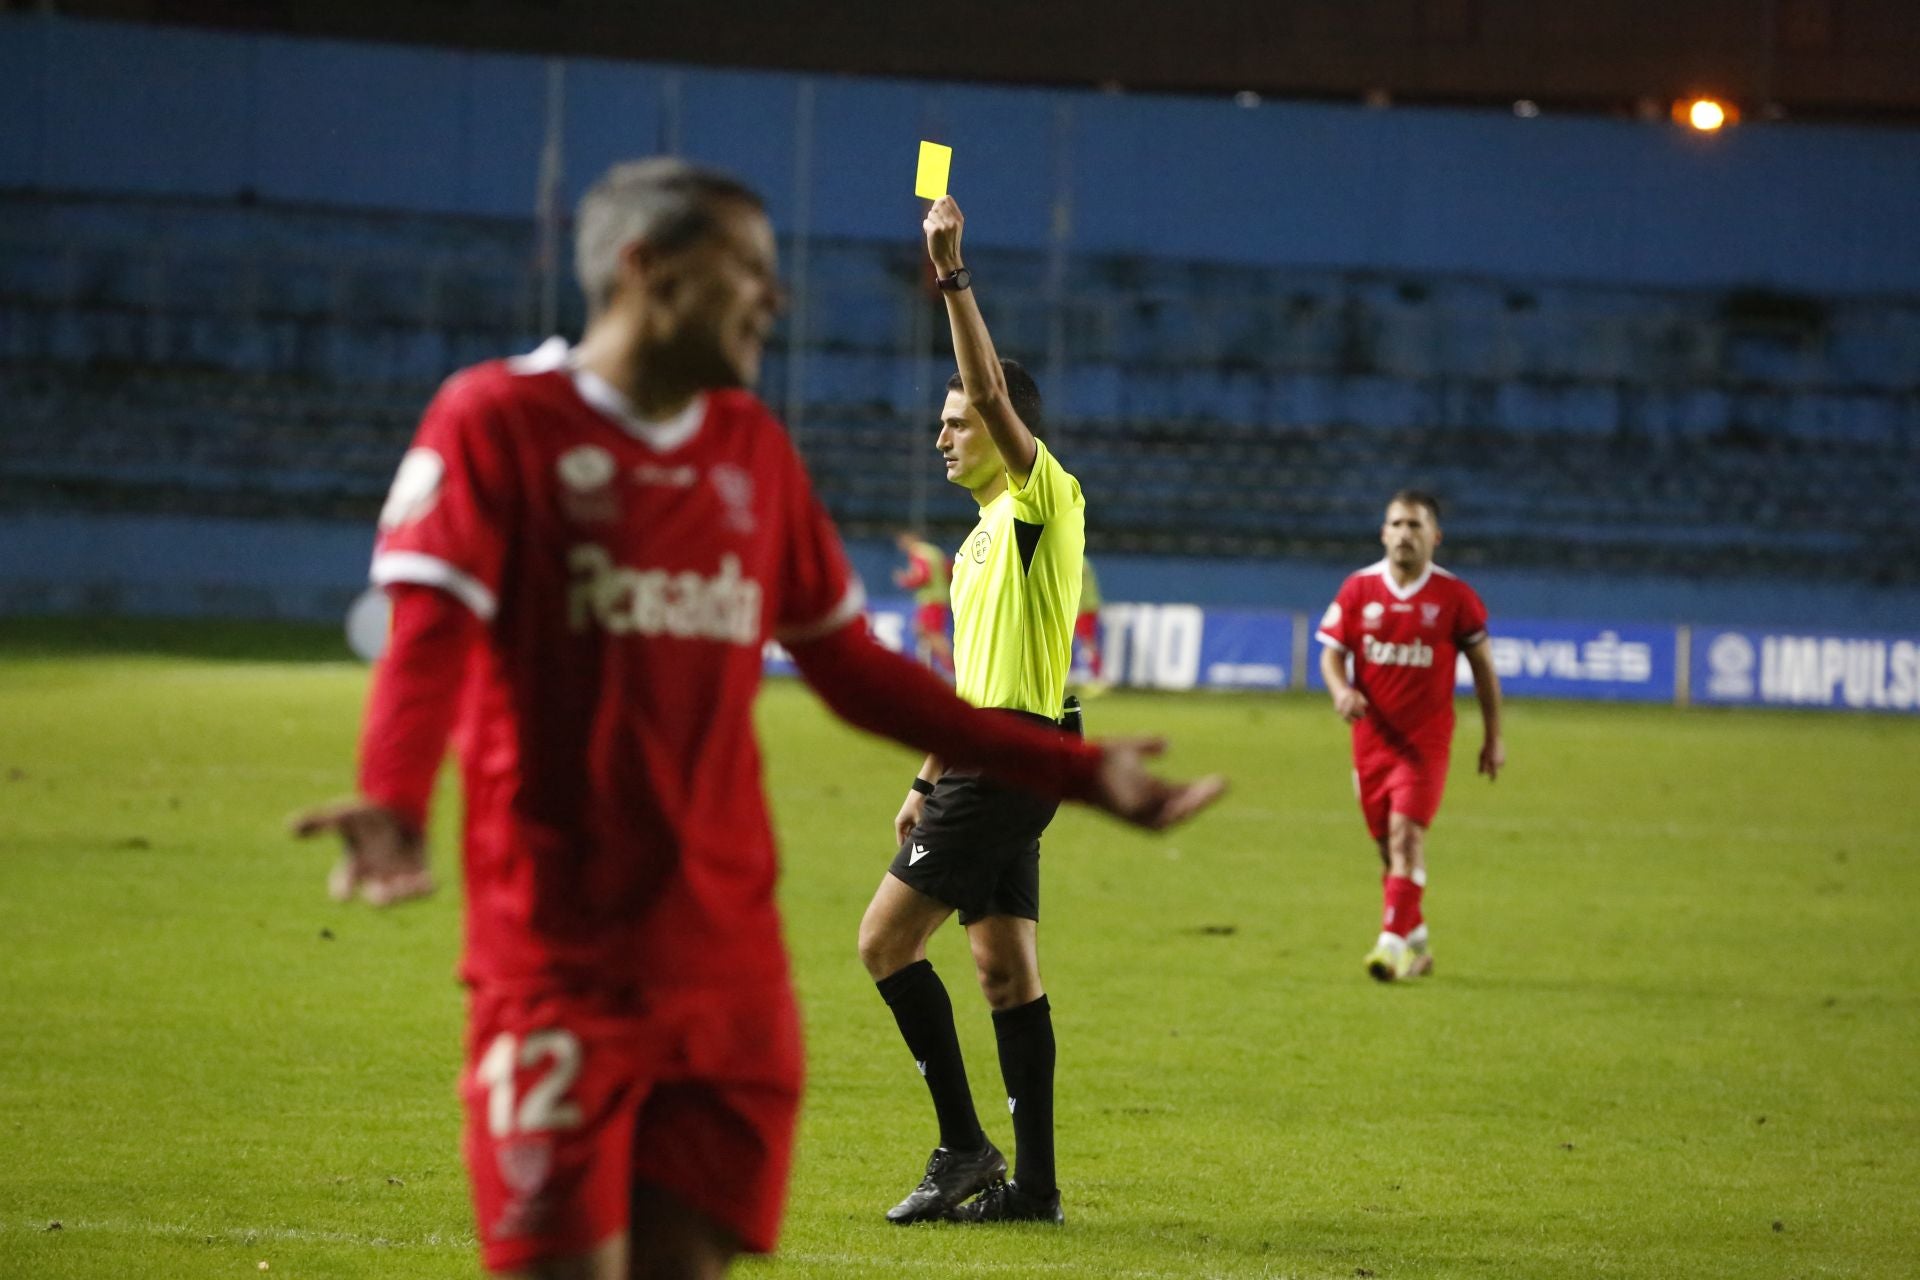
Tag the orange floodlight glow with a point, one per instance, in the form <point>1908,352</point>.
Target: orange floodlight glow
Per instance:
<point>1705,114</point>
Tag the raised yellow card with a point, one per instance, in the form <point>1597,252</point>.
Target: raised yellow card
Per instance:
<point>936,161</point>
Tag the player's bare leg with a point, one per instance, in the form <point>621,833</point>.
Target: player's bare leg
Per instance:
<point>897,924</point>
<point>1006,958</point>
<point>608,1262</point>
<point>671,1241</point>
<point>1401,950</point>
<point>665,1240</point>
<point>893,947</point>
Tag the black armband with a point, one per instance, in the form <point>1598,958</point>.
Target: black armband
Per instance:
<point>924,787</point>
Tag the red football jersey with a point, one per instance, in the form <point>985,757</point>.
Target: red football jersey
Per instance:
<point>629,574</point>
<point>1404,643</point>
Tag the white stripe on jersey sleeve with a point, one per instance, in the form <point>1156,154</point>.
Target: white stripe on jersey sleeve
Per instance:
<point>850,606</point>
<point>424,570</point>
<point>545,358</point>
<point>1329,641</point>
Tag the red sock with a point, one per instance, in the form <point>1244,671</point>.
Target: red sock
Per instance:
<point>1400,911</point>
<point>1415,891</point>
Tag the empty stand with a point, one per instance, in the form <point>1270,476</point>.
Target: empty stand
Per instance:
<point>272,361</point>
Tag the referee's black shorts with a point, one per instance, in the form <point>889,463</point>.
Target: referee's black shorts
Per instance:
<point>977,846</point>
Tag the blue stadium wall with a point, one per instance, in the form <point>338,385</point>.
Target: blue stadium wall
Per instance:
<point>110,108</point>
<point>106,108</point>
<point>311,571</point>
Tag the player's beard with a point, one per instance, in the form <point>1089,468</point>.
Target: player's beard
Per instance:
<point>703,359</point>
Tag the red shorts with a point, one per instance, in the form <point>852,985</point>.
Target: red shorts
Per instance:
<point>571,1098</point>
<point>931,619</point>
<point>1086,628</point>
<point>1408,784</point>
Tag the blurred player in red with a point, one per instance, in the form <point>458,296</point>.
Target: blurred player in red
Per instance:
<point>587,550</point>
<point>1086,630</point>
<point>929,575</point>
<point>1401,622</point>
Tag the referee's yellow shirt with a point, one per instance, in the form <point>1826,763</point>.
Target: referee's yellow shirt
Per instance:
<point>1016,588</point>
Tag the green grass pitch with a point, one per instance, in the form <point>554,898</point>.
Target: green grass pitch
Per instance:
<point>1673,1032</point>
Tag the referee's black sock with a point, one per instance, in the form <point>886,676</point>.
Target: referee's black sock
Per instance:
<point>920,1005</point>
<point>1025,1035</point>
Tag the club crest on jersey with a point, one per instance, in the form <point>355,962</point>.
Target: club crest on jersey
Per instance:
<point>1330,620</point>
<point>1429,614</point>
<point>982,543</point>
<point>1370,616</point>
<point>735,488</point>
<point>416,488</point>
<point>586,468</point>
<point>586,475</point>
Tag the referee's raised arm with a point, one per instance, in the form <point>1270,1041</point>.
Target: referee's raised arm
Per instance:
<point>981,378</point>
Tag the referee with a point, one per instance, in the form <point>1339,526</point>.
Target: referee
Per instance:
<point>968,844</point>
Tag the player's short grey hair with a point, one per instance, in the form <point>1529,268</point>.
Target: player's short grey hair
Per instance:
<point>664,201</point>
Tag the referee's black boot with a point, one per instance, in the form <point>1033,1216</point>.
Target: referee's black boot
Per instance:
<point>952,1176</point>
<point>1006,1202</point>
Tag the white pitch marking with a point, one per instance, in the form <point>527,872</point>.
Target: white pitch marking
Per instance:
<point>439,1240</point>
<point>256,1235</point>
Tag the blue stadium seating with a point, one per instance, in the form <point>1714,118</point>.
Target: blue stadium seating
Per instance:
<point>184,355</point>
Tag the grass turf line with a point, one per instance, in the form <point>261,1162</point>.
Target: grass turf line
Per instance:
<point>1664,1019</point>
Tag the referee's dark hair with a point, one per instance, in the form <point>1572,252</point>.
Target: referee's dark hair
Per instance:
<point>1417,498</point>
<point>1022,391</point>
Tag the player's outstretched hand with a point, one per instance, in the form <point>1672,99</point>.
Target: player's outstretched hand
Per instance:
<point>1351,706</point>
<point>1493,758</point>
<point>383,858</point>
<point>943,224</point>
<point>908,817</point>
<point>1126,789</point>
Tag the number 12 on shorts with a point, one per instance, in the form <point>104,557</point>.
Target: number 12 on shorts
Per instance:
<point>546,1105</point>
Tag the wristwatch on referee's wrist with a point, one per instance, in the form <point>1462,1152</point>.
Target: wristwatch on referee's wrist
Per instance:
<point>960,279</point>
